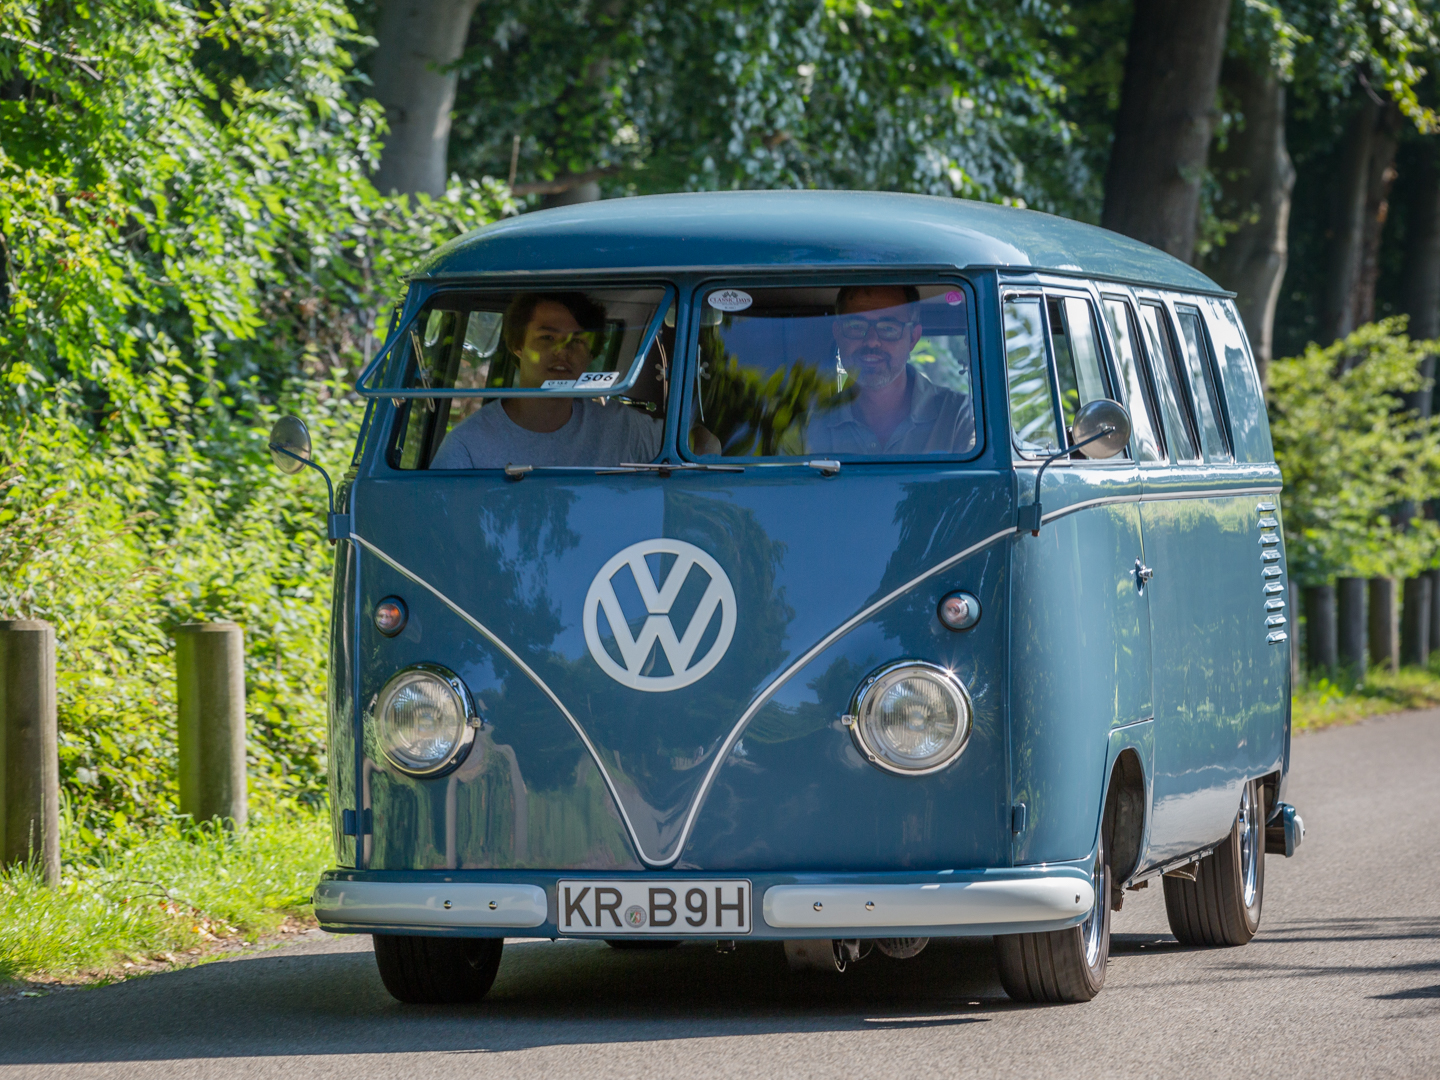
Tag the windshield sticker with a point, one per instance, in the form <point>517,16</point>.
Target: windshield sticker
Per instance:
<point>557,384</point>
<point>730,300</point>
<point>597,380</point>
<point>953,297</point>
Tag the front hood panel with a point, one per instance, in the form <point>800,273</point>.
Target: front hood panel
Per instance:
<point>735,579</point>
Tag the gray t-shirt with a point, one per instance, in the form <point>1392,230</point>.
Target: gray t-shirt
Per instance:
<point>596,434</point>
<point>941,421</point>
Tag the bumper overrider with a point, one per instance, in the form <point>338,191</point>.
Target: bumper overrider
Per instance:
<point>776,906</point>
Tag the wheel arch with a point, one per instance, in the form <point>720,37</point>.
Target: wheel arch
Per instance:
<point>1125,819</point>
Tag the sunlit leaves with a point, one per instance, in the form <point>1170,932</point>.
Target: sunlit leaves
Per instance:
<point>904,95</point>
<point>1354,460</point>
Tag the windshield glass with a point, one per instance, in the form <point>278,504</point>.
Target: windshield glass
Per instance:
<point>868,370</point>
<point>550,344</point>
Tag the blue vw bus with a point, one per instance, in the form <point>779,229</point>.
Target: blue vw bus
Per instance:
<point>837,569</point>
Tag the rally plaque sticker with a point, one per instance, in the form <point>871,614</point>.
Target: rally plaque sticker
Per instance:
<point>647,906</point>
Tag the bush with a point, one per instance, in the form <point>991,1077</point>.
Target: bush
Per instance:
<point>1358,466</point>
<point>190,245</point>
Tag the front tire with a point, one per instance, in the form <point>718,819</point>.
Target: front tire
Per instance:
<point>437,970</point>
<point>1061,965</point>
<point>1222,905</point>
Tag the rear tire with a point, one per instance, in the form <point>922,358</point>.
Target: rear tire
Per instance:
<point>1061,965</point>
<point>437,970</point>
<point>1222,905</point>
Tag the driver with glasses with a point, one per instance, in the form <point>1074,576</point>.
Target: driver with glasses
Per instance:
<point>889,406</point>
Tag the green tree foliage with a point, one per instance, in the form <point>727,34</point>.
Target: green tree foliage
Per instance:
<point>663,96</point>
<point>1354,459</point>
<point>189,243</point>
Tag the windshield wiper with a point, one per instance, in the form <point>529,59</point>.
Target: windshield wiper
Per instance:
<point>664,469</point>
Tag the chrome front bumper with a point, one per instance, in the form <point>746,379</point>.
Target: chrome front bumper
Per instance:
<point>934,904</point>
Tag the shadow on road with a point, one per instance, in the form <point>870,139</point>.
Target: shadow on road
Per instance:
<point>547,994</point>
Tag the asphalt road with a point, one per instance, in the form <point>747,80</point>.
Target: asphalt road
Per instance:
<point>1343,980</point>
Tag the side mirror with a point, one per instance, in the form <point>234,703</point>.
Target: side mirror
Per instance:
<point>1103,428</point>
<point>290,444</point>
<point>1091,422</point>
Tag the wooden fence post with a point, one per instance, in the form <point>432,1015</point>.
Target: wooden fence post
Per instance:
<point>210,692</point>
<point>1321,648</point>
<point>1384,624</point>
<point>1415,621</point>
<point>29,748</point>
<point>1350,623</point>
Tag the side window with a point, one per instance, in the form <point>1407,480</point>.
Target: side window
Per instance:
<point>1200,362</point>
<point>1174,406</point>
<point>1077,355</point>
<point>1123,332</point>
<point>1032,409</point>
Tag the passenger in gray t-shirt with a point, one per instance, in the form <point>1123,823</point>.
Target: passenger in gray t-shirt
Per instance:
<point>554,337</point>
<point>595,434</point>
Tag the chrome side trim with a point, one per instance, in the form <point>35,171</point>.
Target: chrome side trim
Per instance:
<point>1088,503</point>
<point>514,658</point>
<point>785,676</point>
<point>950,904</point>
<point>1160,496</point>
<point>407,903</point>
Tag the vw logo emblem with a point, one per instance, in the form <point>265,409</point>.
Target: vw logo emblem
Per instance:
<point>679,648</point>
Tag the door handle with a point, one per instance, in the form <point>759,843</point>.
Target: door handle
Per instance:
<point>1143,574</point>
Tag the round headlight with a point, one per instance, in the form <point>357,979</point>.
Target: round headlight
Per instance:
<point>423,716</point>
<point>911,718</point>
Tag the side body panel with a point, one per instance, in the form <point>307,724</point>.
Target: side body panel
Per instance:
<point>1080,653</point>
<point>1218,693</point>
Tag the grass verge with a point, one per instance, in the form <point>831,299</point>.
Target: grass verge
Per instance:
<point>170,891</point>
<point>1325,701</point>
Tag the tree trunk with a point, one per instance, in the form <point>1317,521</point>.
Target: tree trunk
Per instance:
<point>1256,177</point>
<point>1420,276</point>
<point>1379,179</point>
<point>1338,318</point>
<point>417,40</point>
<point>1167,112</point>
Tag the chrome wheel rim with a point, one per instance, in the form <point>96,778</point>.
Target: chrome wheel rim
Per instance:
<point>1249,845</point>
<point>1093,928</point>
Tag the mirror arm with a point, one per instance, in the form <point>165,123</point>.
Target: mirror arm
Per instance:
<point>339,524</point>
<point>1028,517</point>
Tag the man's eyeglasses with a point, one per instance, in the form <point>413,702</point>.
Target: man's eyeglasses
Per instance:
<point>857,328</point>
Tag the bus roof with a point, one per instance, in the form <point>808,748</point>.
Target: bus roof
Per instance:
<point>783,229</point>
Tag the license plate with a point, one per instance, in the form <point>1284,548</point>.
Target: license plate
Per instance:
<point>648,906</point>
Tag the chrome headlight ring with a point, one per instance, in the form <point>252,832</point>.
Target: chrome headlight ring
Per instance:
<point>447,724</point>
<point>911,718</point>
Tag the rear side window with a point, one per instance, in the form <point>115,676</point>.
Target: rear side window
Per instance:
<point>1200,365</point>
<point>1137,397</point>
<point>1077,356</point>
<point>1169,385</point>
<point>1027,375</point>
